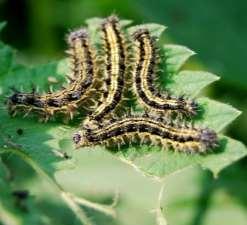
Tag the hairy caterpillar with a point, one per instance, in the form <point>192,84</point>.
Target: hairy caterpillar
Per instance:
<point>181,138</point>
<point>67,100</point>
<point>147,59</point>
<point>116,57</point>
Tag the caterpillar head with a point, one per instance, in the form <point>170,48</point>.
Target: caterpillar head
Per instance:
<point>18,99</point>
<point>113,19</point>
<point>141,33</point>
<point>191,108</point>
<point>80,139</point>
<point>80,34</point>
<point>209,138</point>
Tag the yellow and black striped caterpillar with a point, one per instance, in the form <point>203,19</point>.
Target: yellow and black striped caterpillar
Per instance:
<point>115,63</point>
<point>145,72</point>
<point>68,99</point>
<point>150,130</point>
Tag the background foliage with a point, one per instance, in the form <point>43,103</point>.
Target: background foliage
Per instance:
<point>216,31</point>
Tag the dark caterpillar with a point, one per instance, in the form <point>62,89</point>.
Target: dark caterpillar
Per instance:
<point>147,60</point>
<point>79,90</point>
<point>181,138</point>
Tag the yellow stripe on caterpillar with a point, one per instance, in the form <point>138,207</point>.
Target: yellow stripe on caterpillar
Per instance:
<point>115,63</point>
<point>79,90</point>
<point>179,138</point>
<point>146,62</point>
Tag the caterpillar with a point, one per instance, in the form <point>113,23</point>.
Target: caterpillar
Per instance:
<point>81,83</point>
<point>116,60</point>
<point>147,59</point>
<point>151,130</point>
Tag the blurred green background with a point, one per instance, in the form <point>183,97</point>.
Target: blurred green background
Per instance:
<point>216,30</point>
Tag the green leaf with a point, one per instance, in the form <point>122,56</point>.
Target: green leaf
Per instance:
<point>26,77</point>
<point>13,210</point>
<point>216,115</point>
<point>233,151</point>
<point>205,199</point>
<point>155,29</point>
<point>6,58</point>
<point>46,136</point>
<point>175,57</point>
<point>195,81</point>
<point>158,163</point>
